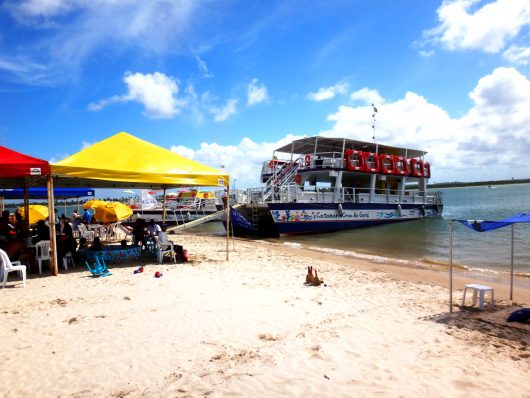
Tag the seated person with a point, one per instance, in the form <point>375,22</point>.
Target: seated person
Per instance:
<point>42,232</point>
<point>162,235</point>
<point>67,227</point>
<point>96,245</point>
<point>17,250</point>
<point>82,250</point>
<point>153,229</point>
<point>66,243</point>
<point>139,231</point>
<point>7,228</point>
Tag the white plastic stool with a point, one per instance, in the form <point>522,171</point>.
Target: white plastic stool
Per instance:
<point>68,259</point>
<point>481,289</point>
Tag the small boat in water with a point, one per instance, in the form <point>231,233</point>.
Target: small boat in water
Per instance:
<point>325,184</point>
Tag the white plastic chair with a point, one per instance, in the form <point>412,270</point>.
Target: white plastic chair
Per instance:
<point>99,230</point>
<point>85,233</point>
<point>164,248</point>
<point>10,266</point>
<point>42,252</point>
<point>118,232</point>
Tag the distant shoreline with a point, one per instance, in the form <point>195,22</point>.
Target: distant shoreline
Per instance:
<point>478,183</point>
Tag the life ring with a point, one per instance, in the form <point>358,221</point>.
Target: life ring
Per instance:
<point>354,160</point>
<point>298,179</point>
<point>417,168</point>
<point>307,160</point>
<point>387,164</point>
<point>371,162</point>
<point>401,167</point>
<point>205,195</point>
<point>426,170</point>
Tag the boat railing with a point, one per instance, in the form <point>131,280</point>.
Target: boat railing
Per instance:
<point>325,160</point>
<point>313,194</point>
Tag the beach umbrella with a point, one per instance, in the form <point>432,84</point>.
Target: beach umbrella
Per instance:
<point>36,213</point>
<point>113,212</point>
<point>92,204</point>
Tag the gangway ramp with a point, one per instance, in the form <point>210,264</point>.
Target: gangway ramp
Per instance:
<point>217,215</point>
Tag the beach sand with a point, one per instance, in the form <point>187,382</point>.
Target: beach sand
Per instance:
<point>250,327</point>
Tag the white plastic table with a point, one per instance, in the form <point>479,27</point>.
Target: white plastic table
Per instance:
<point>481,290</point>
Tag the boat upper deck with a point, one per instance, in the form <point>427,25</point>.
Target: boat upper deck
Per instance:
<point>328,145</point>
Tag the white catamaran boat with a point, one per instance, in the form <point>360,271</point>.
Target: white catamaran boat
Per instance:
<point>326,184</point>
<point>180,208</point>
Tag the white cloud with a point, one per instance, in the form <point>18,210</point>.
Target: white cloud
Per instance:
<point>517,55</point>
<point>156,92</point>
<point>243,161</point>
<point>327,93</point>
<point>203,68</point>
<point>490,141</point>
<point>368,96</point>
<point>67,33</point>
<point>256,93</point>
<point>223,113</point>
<point>40,8</point>
<point>426,54</point>
<point>476,25</point>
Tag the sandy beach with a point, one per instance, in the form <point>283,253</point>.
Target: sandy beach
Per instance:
<point>250,327</point>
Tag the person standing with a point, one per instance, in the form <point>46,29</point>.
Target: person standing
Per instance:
<point>87,216</point>
<point>76,219</point>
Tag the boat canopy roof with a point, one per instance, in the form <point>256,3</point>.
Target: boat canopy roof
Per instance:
<point>324,144</point>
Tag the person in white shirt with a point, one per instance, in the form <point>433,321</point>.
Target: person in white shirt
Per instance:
<point>153,229</point>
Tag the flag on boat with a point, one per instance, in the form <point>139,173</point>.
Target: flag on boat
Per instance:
<point>238,219</point>
<point>148,201</point>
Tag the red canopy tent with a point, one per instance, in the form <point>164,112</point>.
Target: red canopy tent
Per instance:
<point>18,170</point>
<point>17,165</point>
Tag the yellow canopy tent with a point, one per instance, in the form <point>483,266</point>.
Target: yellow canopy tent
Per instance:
<point>123,160</point>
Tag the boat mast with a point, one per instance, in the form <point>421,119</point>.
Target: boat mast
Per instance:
<point>374,176</point>
<point>374,111</point>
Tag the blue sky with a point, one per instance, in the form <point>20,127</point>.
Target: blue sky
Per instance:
<point>226,82</point>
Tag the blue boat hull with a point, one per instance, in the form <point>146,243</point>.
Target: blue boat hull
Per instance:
<point>303,218</point>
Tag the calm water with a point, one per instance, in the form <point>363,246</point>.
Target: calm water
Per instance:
<point>428,240</point>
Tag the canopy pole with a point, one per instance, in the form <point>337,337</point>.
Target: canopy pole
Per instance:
<point>227,209</point>
<point>164,206</point>
<point>511,264</point>
<point>450,265</point>
<point>26,209</point>
<point>51,222</point>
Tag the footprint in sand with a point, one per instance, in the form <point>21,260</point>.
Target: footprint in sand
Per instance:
<point>267,337</point>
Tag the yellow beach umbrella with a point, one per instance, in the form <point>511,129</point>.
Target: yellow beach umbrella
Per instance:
<point>36,213</point>
<point>113,212</point>
<point>92,204</point>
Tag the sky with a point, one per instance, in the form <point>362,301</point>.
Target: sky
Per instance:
<point>225,82</point>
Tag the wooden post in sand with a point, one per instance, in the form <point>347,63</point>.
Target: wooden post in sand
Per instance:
<point>227,221</point>
<point>450,265</point>
<point>51,217</point>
